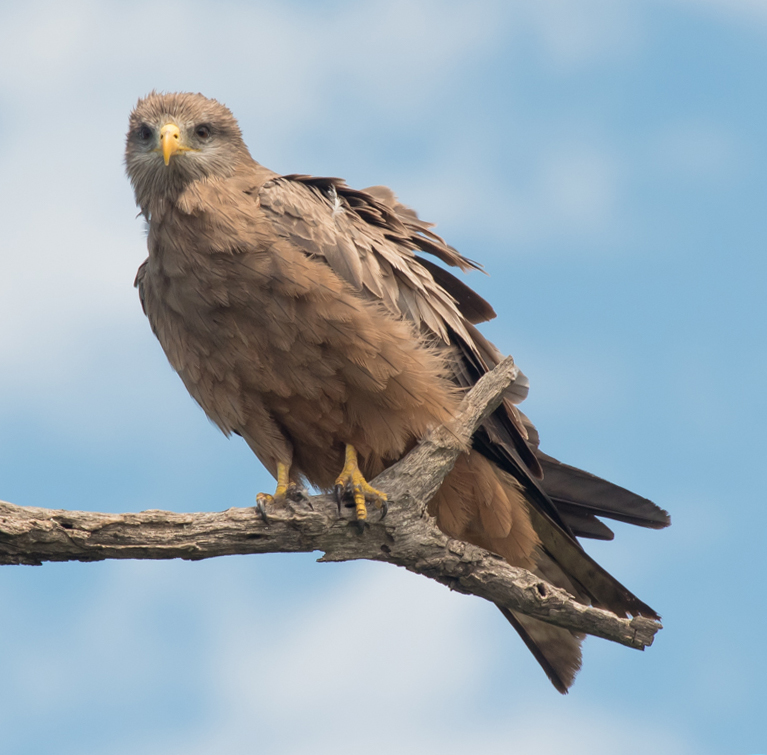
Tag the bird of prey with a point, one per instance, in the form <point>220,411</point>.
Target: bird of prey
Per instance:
<point>303,316</point>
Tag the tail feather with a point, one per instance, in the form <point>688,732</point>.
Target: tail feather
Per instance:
<point>582,523</point>
<point>574,490</point>
<point>557,650</point>
<point>586,575</point>
<point>483,504</point>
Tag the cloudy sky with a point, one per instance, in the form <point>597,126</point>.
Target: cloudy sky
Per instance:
<point>605,160</point>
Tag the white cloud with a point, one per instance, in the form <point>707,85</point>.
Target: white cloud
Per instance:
<point>68,76</point>
<point>697,151</point>
<point>576,382</point>
<point>746,11</point>
<point>579,188</point>
<point>385,658</point>
<point>73,247</point>
<point>67,82</point>
<point>41,44</point>
<point>586,33</point>
<point>383,623</point>
<point>572,191</point>
<point>288,58</point>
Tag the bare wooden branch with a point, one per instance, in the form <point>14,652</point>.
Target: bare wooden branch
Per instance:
<point>406,537</point>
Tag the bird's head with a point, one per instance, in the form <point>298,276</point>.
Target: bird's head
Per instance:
<point>174,139</point>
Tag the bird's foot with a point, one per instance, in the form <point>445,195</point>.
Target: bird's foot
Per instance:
<point>351,482</point>
<point>286,492</point>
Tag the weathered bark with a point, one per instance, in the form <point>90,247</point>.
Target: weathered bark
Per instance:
<point>406,537</point>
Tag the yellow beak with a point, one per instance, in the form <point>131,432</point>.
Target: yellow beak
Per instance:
<point>170,141</point>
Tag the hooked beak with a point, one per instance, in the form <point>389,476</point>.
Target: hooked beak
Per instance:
<point>170,141</point>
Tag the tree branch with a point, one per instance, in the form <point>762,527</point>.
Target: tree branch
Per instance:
<point>406,537</point>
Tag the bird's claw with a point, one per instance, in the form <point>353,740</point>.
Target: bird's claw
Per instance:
<point>339,490</point>
<point>352,483</point>
<point>291,493</point>
<point>262,499</point>
<point>353,495</point>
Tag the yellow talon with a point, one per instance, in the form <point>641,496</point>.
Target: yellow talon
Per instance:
<point>280,494</point>
<point>351,479</point>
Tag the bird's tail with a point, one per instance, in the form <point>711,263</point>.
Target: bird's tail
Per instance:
<point>482,504</point>
<point>557,650</point>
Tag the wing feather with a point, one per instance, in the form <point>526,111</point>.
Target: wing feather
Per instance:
<point>370,240</point>
<point>370,245</point>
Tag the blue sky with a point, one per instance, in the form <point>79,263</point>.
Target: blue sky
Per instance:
<point>605,160</point>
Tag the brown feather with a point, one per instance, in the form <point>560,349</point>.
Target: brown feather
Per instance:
<point>298,315</point>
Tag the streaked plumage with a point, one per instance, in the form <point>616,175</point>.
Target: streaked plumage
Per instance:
<point>301,315</point>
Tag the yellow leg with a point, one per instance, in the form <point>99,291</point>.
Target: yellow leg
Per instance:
<point>283,480</point>
<point>352,480</point>
<point>280,494</point>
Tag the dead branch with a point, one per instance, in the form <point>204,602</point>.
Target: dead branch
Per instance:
<point>406,537</point>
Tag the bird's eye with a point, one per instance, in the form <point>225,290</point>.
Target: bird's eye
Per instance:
<point>203,131</point>
<point>144,132</point>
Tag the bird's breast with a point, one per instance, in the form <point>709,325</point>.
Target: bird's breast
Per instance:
<point>260,319</point>
<point>270,331</point>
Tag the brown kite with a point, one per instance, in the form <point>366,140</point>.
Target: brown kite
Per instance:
<point>302,315</point>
